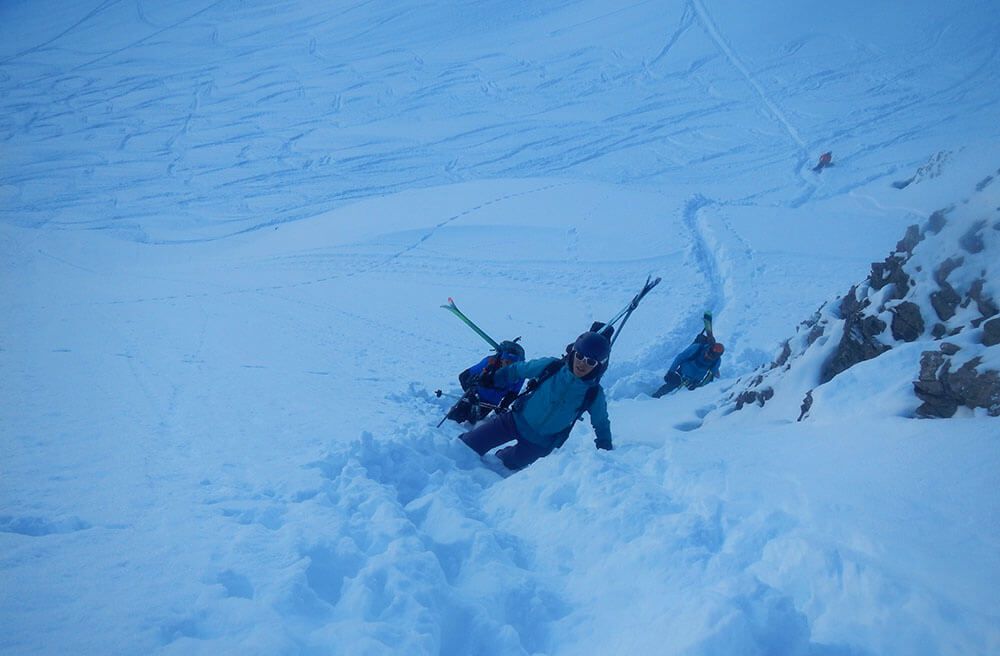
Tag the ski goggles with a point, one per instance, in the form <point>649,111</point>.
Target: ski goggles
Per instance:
<point>590,362</point>
<point>510,357</point>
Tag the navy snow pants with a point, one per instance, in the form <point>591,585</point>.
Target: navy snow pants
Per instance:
<point>674,381</point>
<point>498,430</point>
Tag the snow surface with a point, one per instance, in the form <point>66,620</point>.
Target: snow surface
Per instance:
<point>226,228</point>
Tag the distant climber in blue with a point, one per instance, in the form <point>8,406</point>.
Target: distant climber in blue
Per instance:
<point>695,366</point>
<point>483,395</point>
<point>540,421</point>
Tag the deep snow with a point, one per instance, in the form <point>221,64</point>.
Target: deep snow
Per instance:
<point>226,228</point>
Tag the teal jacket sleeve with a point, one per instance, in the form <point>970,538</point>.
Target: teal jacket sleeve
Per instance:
<point>520,370</point>
<point>599,418</point>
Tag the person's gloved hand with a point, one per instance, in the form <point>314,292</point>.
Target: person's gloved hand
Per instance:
<point>604,445</point>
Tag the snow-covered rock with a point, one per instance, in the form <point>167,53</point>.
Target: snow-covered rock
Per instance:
<point>939,282</point>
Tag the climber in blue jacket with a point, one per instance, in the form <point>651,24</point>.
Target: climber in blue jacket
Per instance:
<point>693,367</point>
<point>481,396</point>
<point>541,420</point>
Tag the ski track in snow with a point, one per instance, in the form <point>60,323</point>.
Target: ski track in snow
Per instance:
<point>187,136</point>
<point>713,32</point>
<point>771,106</point>
<point>704,256</point>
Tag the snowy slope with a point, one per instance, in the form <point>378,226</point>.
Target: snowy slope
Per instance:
<point>226,229</point>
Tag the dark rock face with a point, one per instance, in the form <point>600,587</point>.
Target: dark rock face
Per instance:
<point>949,349</point>
<point>975,390</point>
<point>786,352</point>
<point>907,323</point>
<point>991,332</point>
<point>936,221</point>
<point>972,241</point>
<point>850,305</point>
<point>945,301</point>
<point>858,344</point>
<point>986,305</point>
<point>760,397</point>
<point>943,391</point>
<point>814,333</point>
<point>930,389</point>
<point>943,271</point>
<point>890,272</point>
<point>909,240</point>
<point>807,403</point>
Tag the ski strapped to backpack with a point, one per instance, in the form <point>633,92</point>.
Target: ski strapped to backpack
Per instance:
<point>451,307</point>
<point>608,330</point>
<point>627,311</point>
<point>706,336</point>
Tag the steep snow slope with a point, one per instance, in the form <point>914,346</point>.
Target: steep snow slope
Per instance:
<point>225,230</point>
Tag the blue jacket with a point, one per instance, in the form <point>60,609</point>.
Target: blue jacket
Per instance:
<point>496,393</point>
<point>693,367</point>
<point>552,408</point>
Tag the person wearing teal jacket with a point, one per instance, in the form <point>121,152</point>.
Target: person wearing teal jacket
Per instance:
<point>541,421</point>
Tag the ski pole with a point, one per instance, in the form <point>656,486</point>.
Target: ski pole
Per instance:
<point>463,399</point>
<point>440,393</point>
<point>451,307</point>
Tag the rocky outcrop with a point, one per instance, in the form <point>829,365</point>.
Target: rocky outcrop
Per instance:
<point>890,272</point>
<point>931,169</point>
<point>991,332</point>
<point>940,282</point>
<point>943,391</point>
<point>860,342</point>
<point>987,306</point>
<point>945,300</point>
<point>907,322</point>
<point>759,397</point>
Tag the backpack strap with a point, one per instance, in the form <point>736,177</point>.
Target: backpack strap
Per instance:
<point>588,400</point>
<point>548,372</point>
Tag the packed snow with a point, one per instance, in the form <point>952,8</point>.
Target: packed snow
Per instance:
<point>227,227</point>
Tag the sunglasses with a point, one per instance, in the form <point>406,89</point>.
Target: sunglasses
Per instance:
<point>590,362</point>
